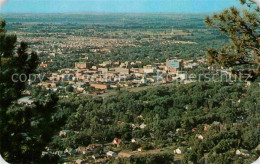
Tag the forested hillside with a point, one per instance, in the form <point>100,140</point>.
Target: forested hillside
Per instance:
<point>226,115</point>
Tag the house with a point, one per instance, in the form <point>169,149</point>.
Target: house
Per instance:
<point>178,130</point>
<point>120,122</point>
<point>242,152</point>
<point>25,100</point>
<point>70,151</point>
<point>178,151</point>
<point>200,136</point>
<point>194,129</point>
<point>81,150</point>
<point>117,142</point>
<point>99,86</point>
<point>136,140</point>
<point>103,70</point>
<point>83,65</point>
<point>44,65</point>
<point>79,161</point>
<point>92,147</point>
<point>59,153</point>
<point>111,154</point>
<point>64,133</point>
<point>122,70</point>
<point>206,127</point>
<point>134,126</point>
<point>142,126</point>
<point>105,64</point>
<point>44,153</point>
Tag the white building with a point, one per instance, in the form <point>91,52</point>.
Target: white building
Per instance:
<point>111,154</point>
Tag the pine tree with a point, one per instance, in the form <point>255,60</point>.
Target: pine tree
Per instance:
<point>24,130</point>
<point>242,29</point>
<point>20,62</point>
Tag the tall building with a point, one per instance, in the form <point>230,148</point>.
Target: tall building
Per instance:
<point>174,65</point>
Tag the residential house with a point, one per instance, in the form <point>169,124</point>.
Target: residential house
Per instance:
<point>92,147</point>
<point>78,161</point>
<point>81,150</point>
<point>83,65</point>
<point>59,153</point>
<point>200,136</point>
<point>25,100</point>
<point>142,126</point>
<point>242,152</point>
<point>178,151</point>
<point>122,70</point>
<point>99,86</point>
<point>70,151</point>
<point>117,142</point>
<point>136,140</point>
<point>64,133</point>
<point>111,154</point>
<point>44,65</point>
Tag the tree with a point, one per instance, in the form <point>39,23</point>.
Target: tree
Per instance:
<point>25,130</point>
<point>69,88</point>
<point>242,29</point>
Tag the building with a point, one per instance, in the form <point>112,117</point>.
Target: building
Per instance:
<point>178,151</point>
<point>83,65</point>
<point>149,69</point>
<point>174,65</point>
<point>103,70</point>
<point>47,84</point>
<point>200,136</point>
<point>105,64</point>
<point>111,154</point>
<point>64,133</point>
<point>242,152</point>
<point>136,140</point>
<point>44,65</point>
<point>69,151</point>
<point>25,100</point>
<point>142,126</point>
<point>81,150</point>
<point>140,149</point>
<point>122,70</point>
<point>117,142</point>
<point>99,86</point>
<point>78,161</point>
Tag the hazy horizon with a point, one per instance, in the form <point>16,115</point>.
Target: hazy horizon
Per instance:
<point>117,6</point>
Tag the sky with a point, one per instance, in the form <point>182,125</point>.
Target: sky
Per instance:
<point>116,6</point>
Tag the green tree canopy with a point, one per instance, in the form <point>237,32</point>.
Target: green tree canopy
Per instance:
<point>25,129</point>
<point>242,29</point>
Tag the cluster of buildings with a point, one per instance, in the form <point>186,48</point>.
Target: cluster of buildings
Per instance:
<point>94,153</point>
<point>109,74</point>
